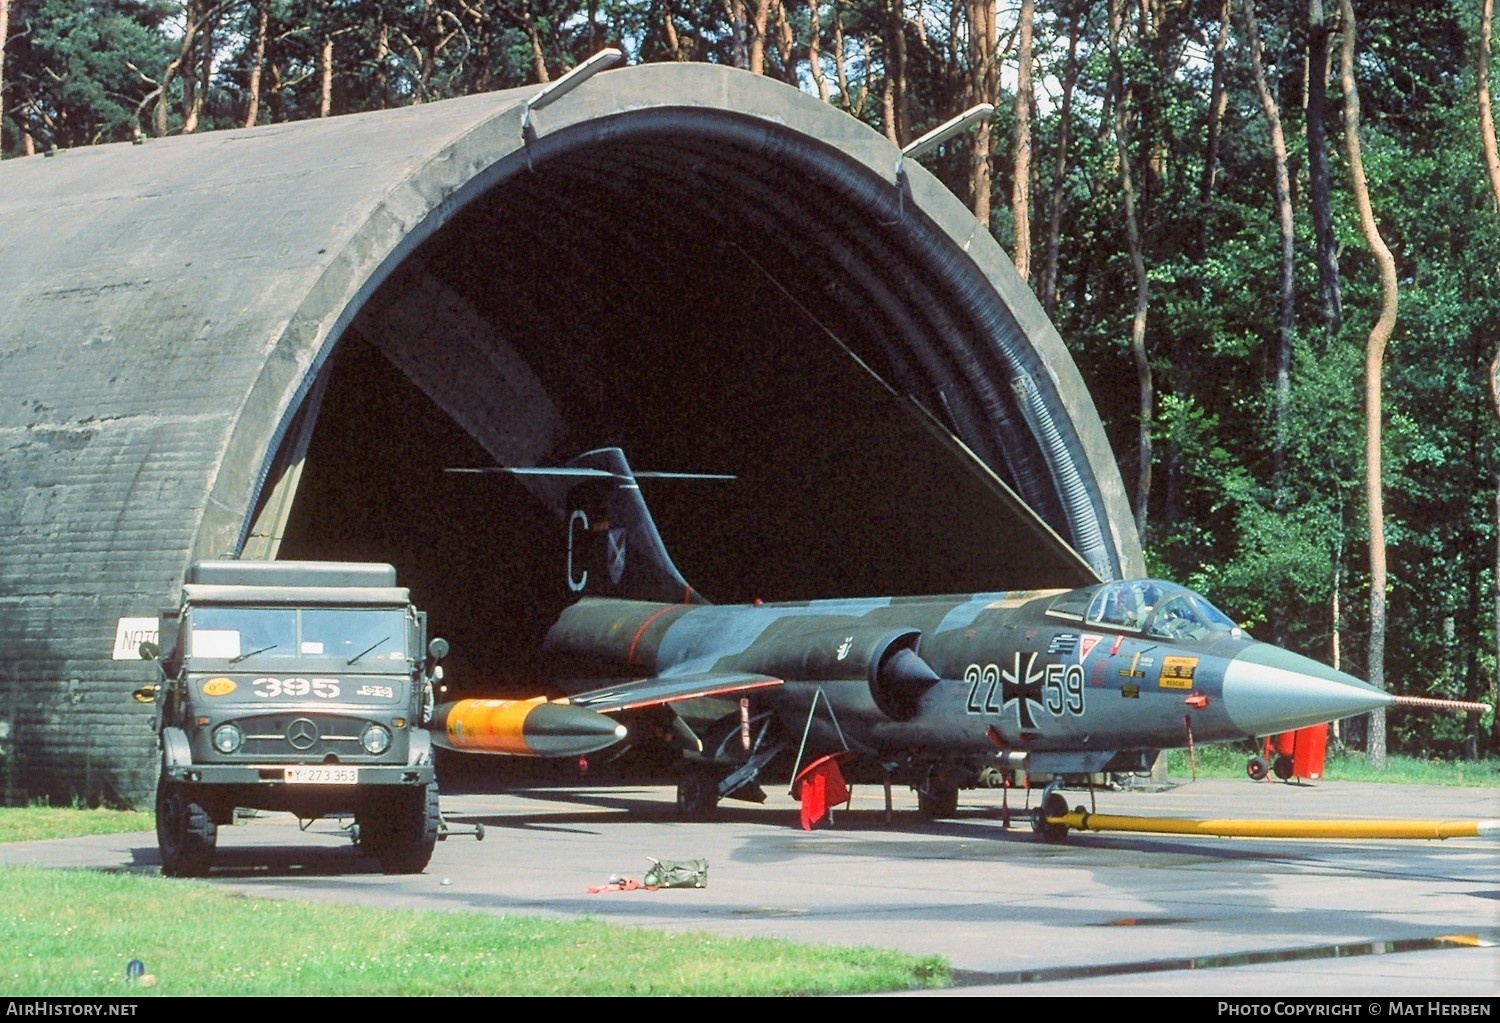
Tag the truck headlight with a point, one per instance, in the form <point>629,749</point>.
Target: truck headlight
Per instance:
<point>374,739</point>
<point>228,738</point>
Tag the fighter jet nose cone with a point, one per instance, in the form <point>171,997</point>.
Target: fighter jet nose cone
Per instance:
<point>1268,689</point>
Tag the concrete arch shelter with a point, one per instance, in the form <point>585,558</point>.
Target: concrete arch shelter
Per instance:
<point>273,342</point>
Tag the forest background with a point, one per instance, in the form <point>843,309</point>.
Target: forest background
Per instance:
<point>1268,231</point>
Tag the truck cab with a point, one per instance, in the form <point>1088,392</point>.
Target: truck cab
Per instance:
<point>301,687</point>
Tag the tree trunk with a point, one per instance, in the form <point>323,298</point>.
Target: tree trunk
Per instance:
<point>1486,115</point>
<point>538,60</point>
<point>1380,335</point>
<point>1060,164</point>
<point>382,56</point>
<point>1020,195</point>
<point>739,44</point>
<point>669,32</point>
<point>1317,167</point>
<point>4,37</point>
<point>840,68</point>
<point>984,87</point>
<point>786,42</point>
<point>257,62</point>
<point>758,22</point>
<point>184,49</point>
<point>1492,162</point>
<point>1138,266</point>
<point>1336,617</point>
<point>815,50</point>
<point>325,75</point>
<point>897,129</point>
<point>199,95</point>
<point>1218,101</point>
<point>1283,358</point>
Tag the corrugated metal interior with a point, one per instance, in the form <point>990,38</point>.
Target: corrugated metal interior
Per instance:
<point>707,305</point>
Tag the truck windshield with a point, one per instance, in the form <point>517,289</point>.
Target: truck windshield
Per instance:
<point>350,634</point>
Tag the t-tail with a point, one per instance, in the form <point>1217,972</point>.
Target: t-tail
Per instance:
<point>613,547</point>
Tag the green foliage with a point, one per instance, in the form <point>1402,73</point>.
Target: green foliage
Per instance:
<point>1229,760</point>
<point>77,71</point>
<point>196,940</point>
<point>37,822</point>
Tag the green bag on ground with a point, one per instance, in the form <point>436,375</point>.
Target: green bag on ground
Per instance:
<point>676,874</point>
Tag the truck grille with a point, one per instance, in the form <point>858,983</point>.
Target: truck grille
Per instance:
<point>302,736</point>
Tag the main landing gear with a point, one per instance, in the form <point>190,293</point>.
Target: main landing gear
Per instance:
<point>1054,804</point>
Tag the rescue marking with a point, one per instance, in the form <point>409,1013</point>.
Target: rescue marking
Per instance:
<point>1177,672</point>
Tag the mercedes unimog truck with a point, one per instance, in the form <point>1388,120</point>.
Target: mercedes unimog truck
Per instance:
<point>295,686</point>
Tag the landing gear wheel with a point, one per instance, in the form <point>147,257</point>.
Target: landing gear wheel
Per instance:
<point>697,795</point>
<point>1257,768</point>
<point>1283,767</point>
<point>938,803</point>
<point>185,832</point>
<point>1054,804</point>
<point>401,830</point>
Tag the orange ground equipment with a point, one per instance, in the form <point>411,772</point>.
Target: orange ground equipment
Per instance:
<point>1299,754</point>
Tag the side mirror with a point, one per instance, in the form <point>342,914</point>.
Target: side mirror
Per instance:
<point>146,694</point>
<point>149,651</point>
<point>438,648</point>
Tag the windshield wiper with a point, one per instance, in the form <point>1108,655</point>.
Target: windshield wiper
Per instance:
<point>367,649</point>
<point>252,653</point>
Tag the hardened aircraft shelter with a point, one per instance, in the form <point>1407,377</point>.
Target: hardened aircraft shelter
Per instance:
<point>275,342</point>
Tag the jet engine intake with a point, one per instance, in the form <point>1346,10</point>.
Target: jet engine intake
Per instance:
<point>898,675</point>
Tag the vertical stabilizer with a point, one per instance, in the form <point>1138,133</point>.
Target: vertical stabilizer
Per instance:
<point>613,548</point>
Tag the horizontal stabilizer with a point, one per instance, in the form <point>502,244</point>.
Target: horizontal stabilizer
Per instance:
<point>649,692</point>
<point>583,472</point>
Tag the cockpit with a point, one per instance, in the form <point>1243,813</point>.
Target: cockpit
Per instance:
<point>1155,608</point>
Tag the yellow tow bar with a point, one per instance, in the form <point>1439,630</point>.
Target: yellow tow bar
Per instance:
<point>1230,828</point>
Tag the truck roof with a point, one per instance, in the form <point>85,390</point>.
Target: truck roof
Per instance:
<point>363,574</point>
<point>296,596</point>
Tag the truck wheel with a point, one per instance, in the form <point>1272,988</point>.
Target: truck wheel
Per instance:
<point>940,803</point>
<point>403,830</point>
<point>185,832</point>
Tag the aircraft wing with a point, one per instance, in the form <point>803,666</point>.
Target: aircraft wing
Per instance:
<point>648,692</point>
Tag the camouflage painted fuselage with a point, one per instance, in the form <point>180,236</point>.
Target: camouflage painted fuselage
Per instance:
<point>1052,674</point>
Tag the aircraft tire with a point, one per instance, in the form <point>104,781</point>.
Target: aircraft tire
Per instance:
<point>185,832</point>
<point>1283,767</point>
<point>1257,768</point>
<point>938,804</point>
<point>697,795</point>
<point>1055,805</point>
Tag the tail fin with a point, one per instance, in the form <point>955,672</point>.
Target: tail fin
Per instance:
<point>614,549</point>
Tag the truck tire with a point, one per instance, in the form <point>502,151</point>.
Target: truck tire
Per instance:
<point>401,831</point>
<point>185,832</point>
